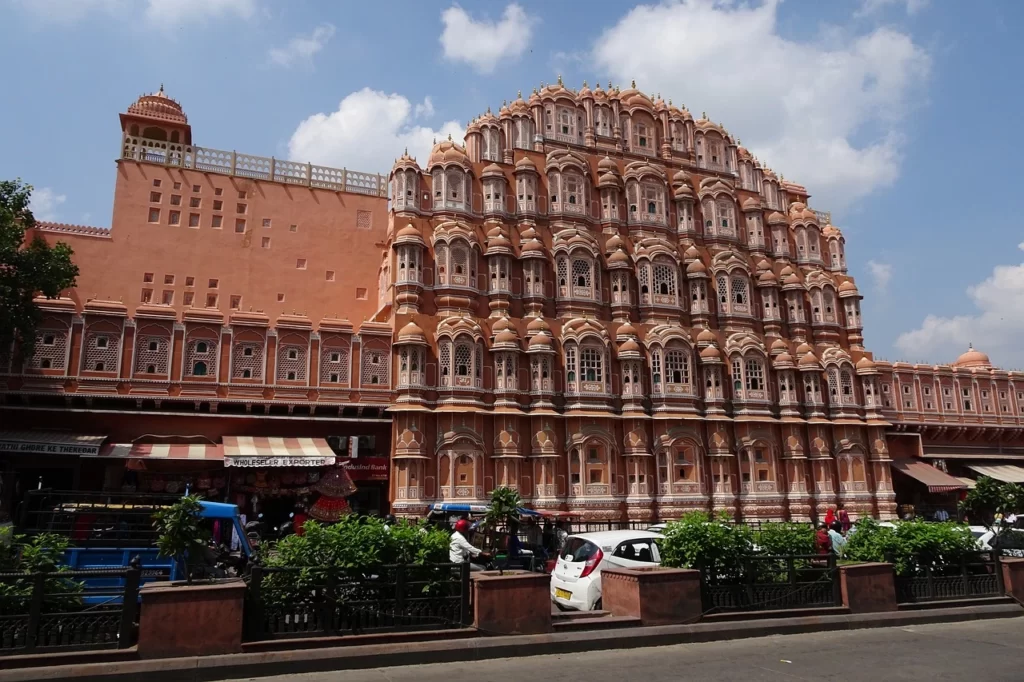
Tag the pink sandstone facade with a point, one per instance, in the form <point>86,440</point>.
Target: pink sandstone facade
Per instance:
<point>598,300</point>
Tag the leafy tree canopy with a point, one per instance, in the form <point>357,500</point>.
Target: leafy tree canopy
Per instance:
<point>26,271</point>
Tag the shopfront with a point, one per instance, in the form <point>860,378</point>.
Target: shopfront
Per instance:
<point>368,470</point>
<point>31,460</point>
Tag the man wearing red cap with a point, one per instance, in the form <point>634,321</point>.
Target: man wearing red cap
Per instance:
<point>460,550</point>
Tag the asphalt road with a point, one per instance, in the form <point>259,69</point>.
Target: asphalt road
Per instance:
<point>989,650</point>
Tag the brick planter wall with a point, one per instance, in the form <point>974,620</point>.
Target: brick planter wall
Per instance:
<point>191,620</point>
<point>1013,577</point>
<point>657,596</point>
<point>516,603</point>
<point>868,588</point>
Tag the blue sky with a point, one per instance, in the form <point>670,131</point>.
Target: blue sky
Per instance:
<point>900,116</point>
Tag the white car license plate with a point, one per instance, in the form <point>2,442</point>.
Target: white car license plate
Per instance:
<point>563,594</point>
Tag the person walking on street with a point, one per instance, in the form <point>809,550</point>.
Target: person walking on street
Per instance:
<point>830,517</point>
<point>843,517</point>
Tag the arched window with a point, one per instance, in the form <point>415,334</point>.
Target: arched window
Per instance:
<point>522,133</point>
<point>656,376</point>
<point>698,297</point>
<point>202,347</point>
<point>454,190</point>
<point>653,201</point>
<point>533,277</point>
<point>199,369</point>
<point>707,209</point>
<point>620,288</point>
<point>525,189</point>
<point>437,184</point>
<point>833,386</point>
<point>726,224</point>
<point>846,387</point>
<point>491,145</point>
<point>576,277</point>
<point>677,370</point>
<point>589,376</point>
<point>740,297</point>
<point>456,264</point>
<point>602,121</point>
<point>829,297</point>
<point>722,283</point>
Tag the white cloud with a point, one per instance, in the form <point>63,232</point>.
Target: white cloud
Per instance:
<point>826,113</point>
<point>482,44</point>
<point>184,11</point>
<point>44,204</point>
<point>165,13</point>
<point>996,328</point>
<point>882,273</point>
<point>872,6</point>
<point>302,49</point>
<point>424,109</point>
<point>367,132</point>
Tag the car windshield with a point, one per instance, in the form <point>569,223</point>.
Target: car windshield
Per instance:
<point>578,549</point>
<point>978,533</point>
<point>635,550</point>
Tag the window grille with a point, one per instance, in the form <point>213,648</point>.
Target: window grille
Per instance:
<point>291,363</point>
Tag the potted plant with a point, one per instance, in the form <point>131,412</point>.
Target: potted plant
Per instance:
<point>180,533</point>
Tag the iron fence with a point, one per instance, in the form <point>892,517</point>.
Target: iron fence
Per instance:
<point>765,583</point>
<point>975,575</point>
<point>310,602</point>
<point>68,610</point>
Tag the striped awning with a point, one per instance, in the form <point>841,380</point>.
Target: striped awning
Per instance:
<point>261,451</point>
<point>937,480</point>
<point>1008,473</point>
<point>163,451</point>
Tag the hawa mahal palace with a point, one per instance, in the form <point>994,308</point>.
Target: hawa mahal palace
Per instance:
<point>599,300</point>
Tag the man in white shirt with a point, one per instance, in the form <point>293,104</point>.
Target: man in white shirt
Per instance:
<point>461,550</point>
<point>838,541</point>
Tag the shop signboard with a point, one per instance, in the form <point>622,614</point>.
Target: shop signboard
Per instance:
<point>22,447</point>
<point>276,461</point>
<point>367,468</point>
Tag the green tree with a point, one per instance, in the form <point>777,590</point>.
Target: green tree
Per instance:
<point>504,507</point>
<point>989,498</point>
<point>698,540</point>
<point>26,271</point>
<point>180,532</point>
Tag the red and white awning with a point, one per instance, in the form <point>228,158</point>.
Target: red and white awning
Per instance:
<point>163,451</point>
<point>260,451</point>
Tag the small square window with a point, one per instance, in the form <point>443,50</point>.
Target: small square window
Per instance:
<point>49,339</point>
<point>266,222</point>
<point>247,351</point>
<point>330,275</point>
<point>293,354</point>
<point>211,300</point>
<point>280,298</point>
<point>246,373</point>
<point>190,281</point>
<point>241,195</point>
<point>266,242</point>
<point>196,188</point>
<point>154,345</point>
<point>218,191</point>
<point>175,218</point>
<point>44,363</point>
<point>291,376</point>
<point>98,367</point>
<point>334,378</point>
<point>147,295</point>
<point>168,297</point>
<point>236,302</point>
<point>154,215</point>
<point>193,220</point>
<point>102,341</point>
<point>361,293</point>
<point>177,185</point>
<point>168,279</point>
<point>154,197</point>
<point>216,222</point>
<point>150,369</point>
<point>147,277</point>
<point>175,200</point>
<point>156,183</point>
<point>335,357</point>
<point>240,208</point>
<point>240,225</point>
<point>195,202</point>
<point>906,390</point>
<point>293,228</point>
<point>214,283</point>
<point>188,298</point>
<point>300,264</point>
<point>218,205</point>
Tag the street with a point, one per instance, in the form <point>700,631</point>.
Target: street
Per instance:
<point>991,650</point>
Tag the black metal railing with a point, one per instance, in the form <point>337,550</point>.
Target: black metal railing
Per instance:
<point>766,583</point>
<point>68,610</point>
<point>975,575</point>
<point>91,519</point>
<point>310,602</point>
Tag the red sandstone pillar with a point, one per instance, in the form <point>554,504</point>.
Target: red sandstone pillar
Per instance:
<point>868,588</point>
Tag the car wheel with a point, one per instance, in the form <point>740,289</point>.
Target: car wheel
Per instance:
<point>560,607</point>
<point>598,605</point>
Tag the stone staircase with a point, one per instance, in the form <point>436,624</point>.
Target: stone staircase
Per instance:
<point>578,621</point>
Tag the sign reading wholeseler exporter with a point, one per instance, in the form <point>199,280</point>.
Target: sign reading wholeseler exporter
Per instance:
<point>18,447</point>
<point>274,461</point>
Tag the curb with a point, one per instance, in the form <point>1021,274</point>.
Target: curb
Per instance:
<point>212,668</point>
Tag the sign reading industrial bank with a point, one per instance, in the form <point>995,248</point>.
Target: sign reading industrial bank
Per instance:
<point>22,447</point>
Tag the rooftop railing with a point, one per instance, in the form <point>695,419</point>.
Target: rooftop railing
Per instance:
<point>248,166</point>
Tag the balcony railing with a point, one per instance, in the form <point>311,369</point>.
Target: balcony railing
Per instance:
<point>254,167</point>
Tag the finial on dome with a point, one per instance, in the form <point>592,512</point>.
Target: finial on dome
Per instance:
<point>435,139</point>
<point>504,103</point>
<point>161,88</point>
<point>407,151</point>
<point>670,101</point>
<point>559,79</point>
<point>449,137</point>
<point>970,346</point>
<point>633,84</point>
<point>488,110</point>
<point>609,85</point>
<point>704,115</point>
<point>584,82</point>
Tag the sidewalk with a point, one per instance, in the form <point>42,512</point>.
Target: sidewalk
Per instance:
<point>211,668</point>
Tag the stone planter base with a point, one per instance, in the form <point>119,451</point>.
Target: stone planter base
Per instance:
<point>657,596</point>
<point>191,620</point>
<point>868,588</point>
<point>513,603</point>
<point>1013,577</point>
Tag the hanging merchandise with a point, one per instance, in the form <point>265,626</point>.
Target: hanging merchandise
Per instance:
<point>334,487</point>
<point>329,509</point>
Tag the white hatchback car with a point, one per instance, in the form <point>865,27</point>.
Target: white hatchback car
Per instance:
<point>576,580</point>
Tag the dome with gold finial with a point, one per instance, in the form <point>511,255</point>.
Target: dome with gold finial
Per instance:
<point>405,162</point>
<point>973,359</point>
<point>159,106</point>
<point>448,152</point>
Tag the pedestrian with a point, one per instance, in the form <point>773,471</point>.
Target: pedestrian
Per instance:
<point>830,516</point>
<point>844,519</point>
<point>299,520</point>
<point>822,540</point>
<point>836,539</point>
<point>941,515</point>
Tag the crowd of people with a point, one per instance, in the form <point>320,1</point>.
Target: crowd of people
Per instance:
<point>833,531</point>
